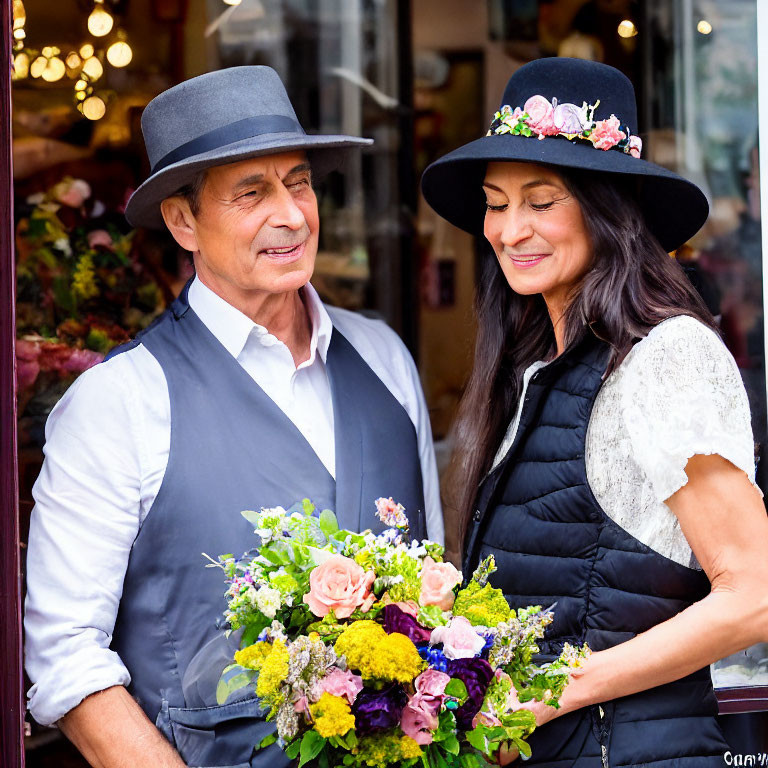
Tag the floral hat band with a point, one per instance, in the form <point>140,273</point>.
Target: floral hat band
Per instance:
<point>542,118</point>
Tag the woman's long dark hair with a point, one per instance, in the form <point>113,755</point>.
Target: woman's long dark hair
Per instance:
<point>631,286</point>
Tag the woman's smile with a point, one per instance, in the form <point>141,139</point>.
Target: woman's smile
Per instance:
<point>526,260</point>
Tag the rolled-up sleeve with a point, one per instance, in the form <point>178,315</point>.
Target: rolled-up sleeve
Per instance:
<point>85,519</point>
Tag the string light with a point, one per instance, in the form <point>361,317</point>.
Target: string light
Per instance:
<point>704,27</point>
<point>54,70</point>
<point>73,61</point>
<point>100,21</point>
<point>19,14</point>
<point>119,54</point>
<point>81,85</point>
<point>20,66</point>
<point>94,108</point>
<point>86,51</point>
<point>37,66</point>
<point>93,68</point>
<point>19,34</point>
<point>627,29</point>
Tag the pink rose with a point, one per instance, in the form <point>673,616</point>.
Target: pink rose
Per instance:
<point>431,683</point>
<point>419,719</point>
<point>72,192</point>
<point>100,237</point>
<point>341,585</point>
<point>540,116</point>
<point>437,583</point>
<point>606,133</point>
<point>340,682</point>
<point>459,639</point>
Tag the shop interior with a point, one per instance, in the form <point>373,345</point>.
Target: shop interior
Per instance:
<point>420,77</point>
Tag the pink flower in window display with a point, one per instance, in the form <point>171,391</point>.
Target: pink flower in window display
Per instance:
<point>540,116</point>
<point>606,133</point>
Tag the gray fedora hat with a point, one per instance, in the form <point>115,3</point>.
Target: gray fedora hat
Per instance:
<point>218,118</point>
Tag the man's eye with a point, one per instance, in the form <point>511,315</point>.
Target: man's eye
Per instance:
<point>298,184</point>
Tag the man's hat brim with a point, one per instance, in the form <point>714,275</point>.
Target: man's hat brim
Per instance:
<point>326,153</point>
<point>674,208</point>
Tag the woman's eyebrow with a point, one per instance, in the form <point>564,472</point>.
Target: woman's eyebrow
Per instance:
<point>527,185</point>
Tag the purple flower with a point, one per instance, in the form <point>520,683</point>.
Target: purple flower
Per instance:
<point>397,620</point>
<point>378,710</point>
<point>476,674</point>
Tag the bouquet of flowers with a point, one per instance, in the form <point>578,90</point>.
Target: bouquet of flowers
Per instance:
<point>367,650</point>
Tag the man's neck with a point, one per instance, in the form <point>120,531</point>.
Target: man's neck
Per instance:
<point>284,315</point>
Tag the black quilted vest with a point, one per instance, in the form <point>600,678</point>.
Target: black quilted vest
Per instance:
<point>553,543</point>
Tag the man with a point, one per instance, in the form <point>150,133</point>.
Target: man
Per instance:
<point>247,392</point>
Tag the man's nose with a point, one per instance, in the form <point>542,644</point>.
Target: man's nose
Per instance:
<point>285,212</point>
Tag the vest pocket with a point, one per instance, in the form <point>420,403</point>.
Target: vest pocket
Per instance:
<point>221,736</point>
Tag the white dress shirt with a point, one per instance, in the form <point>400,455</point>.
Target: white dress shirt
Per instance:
<point>106,451</point>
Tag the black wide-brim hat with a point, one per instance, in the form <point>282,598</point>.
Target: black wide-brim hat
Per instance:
<point>674,208</point>
<point>219,118</point>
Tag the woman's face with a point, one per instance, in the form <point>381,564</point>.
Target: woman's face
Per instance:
<point>536,229</point>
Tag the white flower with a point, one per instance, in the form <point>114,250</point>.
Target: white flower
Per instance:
<point>268,601</point>
<point>36,199</point>
<point>62,244</point>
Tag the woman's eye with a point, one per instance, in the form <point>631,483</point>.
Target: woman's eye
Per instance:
<point>541,206</point>
<point>490,207</point>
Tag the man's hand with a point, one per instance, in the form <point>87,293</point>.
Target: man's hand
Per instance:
<point>111,731</point>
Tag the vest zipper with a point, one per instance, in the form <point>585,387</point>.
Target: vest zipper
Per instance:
<point>603,733</point>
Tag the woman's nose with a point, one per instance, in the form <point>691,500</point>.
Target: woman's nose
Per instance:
<point>515,230</point>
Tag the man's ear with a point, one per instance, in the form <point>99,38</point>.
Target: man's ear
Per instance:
<point>180,221</point>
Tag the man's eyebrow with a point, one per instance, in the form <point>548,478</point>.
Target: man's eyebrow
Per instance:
<point>258,178</point>
<point>527,185</point>
<point>302,168</point>
<point>248,181</point>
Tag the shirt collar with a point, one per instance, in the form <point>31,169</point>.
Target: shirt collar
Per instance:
<point>233,329</point>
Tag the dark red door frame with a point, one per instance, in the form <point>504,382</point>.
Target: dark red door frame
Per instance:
<point>11,702</point>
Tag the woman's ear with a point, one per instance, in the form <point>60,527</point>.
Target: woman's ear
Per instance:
<point>180,221</point>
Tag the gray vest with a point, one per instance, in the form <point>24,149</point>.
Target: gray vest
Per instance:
<point>232,449</point>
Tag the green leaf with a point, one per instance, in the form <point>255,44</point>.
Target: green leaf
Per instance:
<point>457,689</point>
<point>292,749</point>
<point>307,507</point>
<point>523,747</point>
<point>450,744</point>
<point>251,516</point>
<point>477,738</point>
<point>437,757</point>
<point>270,738</point>
<point>311,744</point>
<point>328,522</point>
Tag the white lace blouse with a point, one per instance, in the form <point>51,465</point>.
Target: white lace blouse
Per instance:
<point>678,393</point>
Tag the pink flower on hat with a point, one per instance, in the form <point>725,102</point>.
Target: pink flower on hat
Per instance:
<point>606,133</point>
<point>635,146</point>
<point>540,116</point>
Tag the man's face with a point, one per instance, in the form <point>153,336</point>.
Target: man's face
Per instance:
<point>257,225</point>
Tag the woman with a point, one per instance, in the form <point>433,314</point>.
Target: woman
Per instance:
<point>605,449</point>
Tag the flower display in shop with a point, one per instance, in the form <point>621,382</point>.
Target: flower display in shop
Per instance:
<point>367,650</point>
<point>80,289</point>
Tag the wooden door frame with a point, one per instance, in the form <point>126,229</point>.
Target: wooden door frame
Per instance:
<point>11,694</point>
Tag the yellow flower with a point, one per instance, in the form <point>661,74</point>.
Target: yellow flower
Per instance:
<point>368,648</point>
<point>274,670</point>
<point>382,749</point>
<point>409,748</point>
<point>84,279</point>
<point>253,656</point>
<point>332,716</point>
